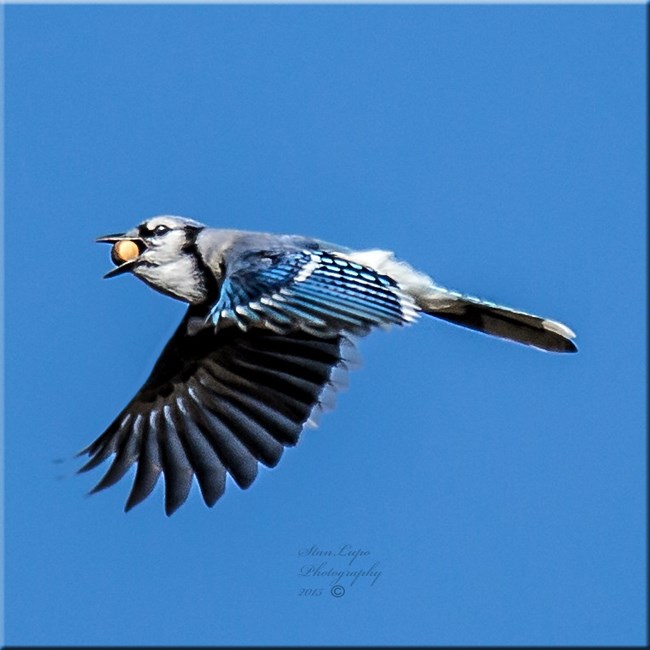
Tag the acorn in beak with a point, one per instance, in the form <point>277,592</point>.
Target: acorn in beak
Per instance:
<point>124,254</point>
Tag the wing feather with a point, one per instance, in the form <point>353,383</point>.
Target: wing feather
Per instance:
<point>234,455</point>
<point>218,401</point>
<point>175,465</point>
<point>317,292</point>
<point>208,468</point>
<point>149,463</point>
<point>126,455</point>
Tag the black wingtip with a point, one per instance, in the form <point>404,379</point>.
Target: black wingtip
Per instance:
<point>171,508</point>
<point>84,451</point>
<point>133,500</point>
<point>91,464</point>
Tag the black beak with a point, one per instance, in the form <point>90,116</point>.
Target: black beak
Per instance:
<point>113,239</point>
<point>124,267</point>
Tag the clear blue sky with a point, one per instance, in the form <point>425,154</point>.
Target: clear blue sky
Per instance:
<point>499,489</point>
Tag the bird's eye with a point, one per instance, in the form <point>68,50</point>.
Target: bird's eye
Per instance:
<point>160,230</point>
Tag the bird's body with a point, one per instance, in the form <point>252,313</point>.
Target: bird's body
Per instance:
<point>268,331</point>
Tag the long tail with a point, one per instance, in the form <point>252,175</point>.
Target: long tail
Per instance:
<point>467,311</point>
<point>498,321</point>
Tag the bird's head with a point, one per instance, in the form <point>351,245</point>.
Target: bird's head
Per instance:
<point>162,252</point>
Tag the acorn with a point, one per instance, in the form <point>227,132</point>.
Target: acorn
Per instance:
<point>123,251</point>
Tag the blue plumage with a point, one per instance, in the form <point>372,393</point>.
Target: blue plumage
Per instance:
<point>309,290</point>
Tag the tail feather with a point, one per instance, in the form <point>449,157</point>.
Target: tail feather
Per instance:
<point>468,311</point>
<point>499,321</point>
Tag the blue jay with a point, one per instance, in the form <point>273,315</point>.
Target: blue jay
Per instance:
<point>269,329</point>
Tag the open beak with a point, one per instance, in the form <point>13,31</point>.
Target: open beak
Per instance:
<point>125,252</point>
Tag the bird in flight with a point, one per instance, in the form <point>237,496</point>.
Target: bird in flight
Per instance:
<point>268,333</point>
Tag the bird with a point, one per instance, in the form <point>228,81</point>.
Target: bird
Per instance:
<point>267,338</point>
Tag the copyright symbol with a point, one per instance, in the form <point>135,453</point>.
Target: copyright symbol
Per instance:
<point>337,591</point>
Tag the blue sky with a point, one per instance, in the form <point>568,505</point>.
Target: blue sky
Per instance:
<point>498,489</point>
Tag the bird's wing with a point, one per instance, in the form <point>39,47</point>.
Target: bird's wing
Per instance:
<point>217,403</point>
<point>310,290</point>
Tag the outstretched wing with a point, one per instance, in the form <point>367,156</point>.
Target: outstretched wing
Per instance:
<point>311,290</point>
<point>216,403</point>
